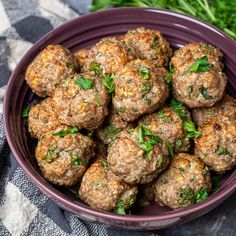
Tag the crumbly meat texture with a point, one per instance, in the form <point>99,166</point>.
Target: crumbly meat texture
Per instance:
<point>112,127</point>
<point>42,118</point>
<point>81,56</point>
<point>109,55</point>
<point>149,45</point>
<point>51,66</point>
<point>178,186</point>
<point>217,145</point>
<point>101,189</point>
<point>79,106</point>
<point>167,125</point>
<point>226,107</point>
<point>64,160</point>
<point>139,89</point>
<point>131,163</point>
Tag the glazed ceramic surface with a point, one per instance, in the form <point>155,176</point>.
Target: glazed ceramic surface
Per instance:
<point>82,33</point>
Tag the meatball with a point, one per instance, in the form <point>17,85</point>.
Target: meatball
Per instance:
<point>217,145</point>
<point>42,118</point>
<point>167,125</point>
<point>112,127</point>
<point>107,56</point>
<point>197,82</point>
<point>137,156</point>
<point>81,56</point>
<point>54,64</point>
<point>193,51</point>
<point>82,101</point>
<point>63,155</point>
<point>139,89</point>
<point>226,107</point>
<point>149,45</point>
<point>103,190</point>
<point>186,181</point>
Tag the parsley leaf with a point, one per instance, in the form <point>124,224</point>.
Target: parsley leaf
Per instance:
<point>64,132</point>
<point>178,107</point>
<point>215,179</point>
<point>189,126</point>
<point>171,68</point>
<point>186,195</point>
<point>96,68</point>
<point>201,195</point>
<point>161,115</point>
<point>140,137</point>
<point>144,72</point>
<point>76,161</point>
<point>25,112</point>
<point>120,207</point>
<point>204,93</point>
<point>200,65</point>
<point>146,87</point>
<point>84,83</point>
<point>170,149</point>
<point>168,80</point>
<point>221,151</point>
<point>178,143</point>
<point>110,132</point>
<point>108,82</point>
<point>105,165</point>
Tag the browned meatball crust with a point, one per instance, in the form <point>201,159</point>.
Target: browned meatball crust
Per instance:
<point>193,51</point>
<point>167,125</point>
<point>217,145</point>
<point>112,127</point>
<point>42,118</point>
<point>52,65</point>
<point>136,157</point>
<point>139,89</point>
<point>63,155</point>
<point>107,56</point>
<point>82,101</point>
<point>226,107</point>
<point>149,45</point>
<point>198,81</point>
<point>103,190</point>
<point>180,185</point>
<point>81,56</point>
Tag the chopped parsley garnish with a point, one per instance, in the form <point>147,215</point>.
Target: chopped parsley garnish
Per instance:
<point>64,132</point>
<point>146,87</point>
<point>110,132</point>
<point>161,115</point>
<point>178,143</point>
<point>144,72</point>
<point>69,65</point>
<point>186,195</point>
<point>105,165</point>
<point>181,169</point>
<point>99,184</point>
<point>201,195</point>
<point>84,83</point>
<point>121,109</point>
<point>168,80</point>
<point>170,149</point>
<point>108,82</point>
<point>189,126</point>
<point>215,179</point>
<point>190,90</point>
<point>221,151</point>
<point>200,65</point>
<point>147,100</point>
<point>76,161</point>
<point>178,107</point>
<point>96,68</point>
<point>25,112</point>
<point>171,68</point>
<point>120,209</point>
<point>204,93</point>
<point>52,154</point>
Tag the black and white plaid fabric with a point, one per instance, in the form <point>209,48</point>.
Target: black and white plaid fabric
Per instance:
<point>24,210</point>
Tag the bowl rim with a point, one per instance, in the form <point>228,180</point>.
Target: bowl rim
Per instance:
<point>59,197</point>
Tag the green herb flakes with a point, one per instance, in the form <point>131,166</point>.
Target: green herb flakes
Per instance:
<point>189,126</point>
<point>144,72</point>
<point>170,149</point>
<point>52,154</point>
<point>64,132</point>
<point>84,83</point>
<point>105,165</point>
<point>110,132</point>
<point>181,169</point>
<point>204,93</point>
<point>161,115</point>
<point>186,195</point>
<point>221,151</point>
<point>146,87</point>
<point>108,82</point>
<point>215,179</point>
<point>25,112</point>
<point>121,109</point>
<point>200,65</point>
<point>76,161</point>
<point>96,68</point>
<point>179,108</point>
<point>201,195</point>
<point>120,209</point>
<point>178,143</point>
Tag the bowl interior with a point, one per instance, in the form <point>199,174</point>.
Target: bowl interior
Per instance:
<point>83,33</point>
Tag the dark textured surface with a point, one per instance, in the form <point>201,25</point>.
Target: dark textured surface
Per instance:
<point>85,36</point>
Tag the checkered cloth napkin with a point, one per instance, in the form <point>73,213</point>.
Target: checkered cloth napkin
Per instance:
<point>24,210</point>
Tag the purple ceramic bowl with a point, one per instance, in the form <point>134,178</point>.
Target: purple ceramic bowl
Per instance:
<point>84,32</point>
